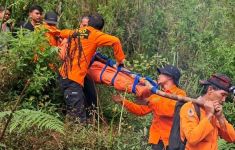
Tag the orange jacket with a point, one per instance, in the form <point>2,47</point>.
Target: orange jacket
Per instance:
<point>203,134</point>
<point>52,34</point>
<point>163,111</point>
<point>75,67</point>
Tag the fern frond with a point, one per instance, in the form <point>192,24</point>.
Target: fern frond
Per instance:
<point>26,119</point>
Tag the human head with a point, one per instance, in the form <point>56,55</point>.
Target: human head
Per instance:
<point>35,13</point>
<point>216,88</point>
<point>51,18</point>
<point>84,21</point>
<point>168,74</point>
<point>5,14</point>
<point>96,21</point>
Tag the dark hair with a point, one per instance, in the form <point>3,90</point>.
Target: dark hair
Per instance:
<point>206,87</point>
<point>36,7</point>
<point>96,21</point>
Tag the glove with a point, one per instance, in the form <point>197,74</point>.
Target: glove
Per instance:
<point>121,64</point>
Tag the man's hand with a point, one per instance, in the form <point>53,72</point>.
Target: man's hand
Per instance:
<point>219,114</point>
<point>218,110</point>
<point>120,63</point>
<point>145,94</point>
<point>209,108</point>
<point>117,99</point>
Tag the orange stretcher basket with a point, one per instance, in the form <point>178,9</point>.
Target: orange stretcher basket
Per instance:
<point>102,71</point>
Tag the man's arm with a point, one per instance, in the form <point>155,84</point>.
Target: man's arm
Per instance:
<point>66,33</point>
<point>227,133</point>
<point>226,130</point>
<point>108,40</point>
<point>136,109</point>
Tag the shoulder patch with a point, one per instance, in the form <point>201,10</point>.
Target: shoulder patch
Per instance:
<point>190,112</point>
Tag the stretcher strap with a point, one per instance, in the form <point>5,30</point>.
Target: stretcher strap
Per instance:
<point>102,72</point>
<point>101,56</point>
<point>154,89</point>
<point>119,68</point>
<point>92,60</point>
<point>110,62</point>
<point>136,81</point>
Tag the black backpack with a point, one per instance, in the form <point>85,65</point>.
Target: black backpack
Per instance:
<point>175,142</point>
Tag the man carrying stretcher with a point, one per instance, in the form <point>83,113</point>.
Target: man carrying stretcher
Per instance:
<point>82,45</point>
<point>202,132</point>
<point>161,107</point>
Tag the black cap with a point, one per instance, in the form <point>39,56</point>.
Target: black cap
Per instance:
<point>51,17</point>
<point>171,71</point>
<point>220,81</point>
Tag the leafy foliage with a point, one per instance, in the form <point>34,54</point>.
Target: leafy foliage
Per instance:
<point>147,65</point>
<point>28,58</point>
<point>223,145</point>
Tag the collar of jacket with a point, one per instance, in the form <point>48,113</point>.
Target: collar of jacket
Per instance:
<point>171,89</point>
<point>88,27</point>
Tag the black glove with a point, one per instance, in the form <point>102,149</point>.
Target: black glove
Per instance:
<point>121,65</point>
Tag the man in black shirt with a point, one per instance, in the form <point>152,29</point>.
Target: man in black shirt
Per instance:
<point>35,18</point>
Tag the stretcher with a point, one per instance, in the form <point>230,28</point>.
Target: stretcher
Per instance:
<point>103,71</point>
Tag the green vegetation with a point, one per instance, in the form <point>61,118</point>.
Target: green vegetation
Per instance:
<point>197,36</point>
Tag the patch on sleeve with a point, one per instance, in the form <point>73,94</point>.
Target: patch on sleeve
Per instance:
<point>84,33</point>
<point>190,112</point>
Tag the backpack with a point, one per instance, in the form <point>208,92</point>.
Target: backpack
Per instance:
<point>175,142</point>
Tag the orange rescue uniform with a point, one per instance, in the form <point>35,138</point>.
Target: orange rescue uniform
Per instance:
<point>163,111</point>
<point>52,34</point>
<point>202,134</point>
<point>90,39</point>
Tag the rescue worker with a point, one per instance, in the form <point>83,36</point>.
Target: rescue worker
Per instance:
<point>82,46</point>
<point>202,133</point>
<point>35,18</point>
<point>161,107</point>
<point>89,85</point>
<point>53,33</point>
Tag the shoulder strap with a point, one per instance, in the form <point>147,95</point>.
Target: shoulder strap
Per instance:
<point>80,48</point>
<point>197,109</point>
